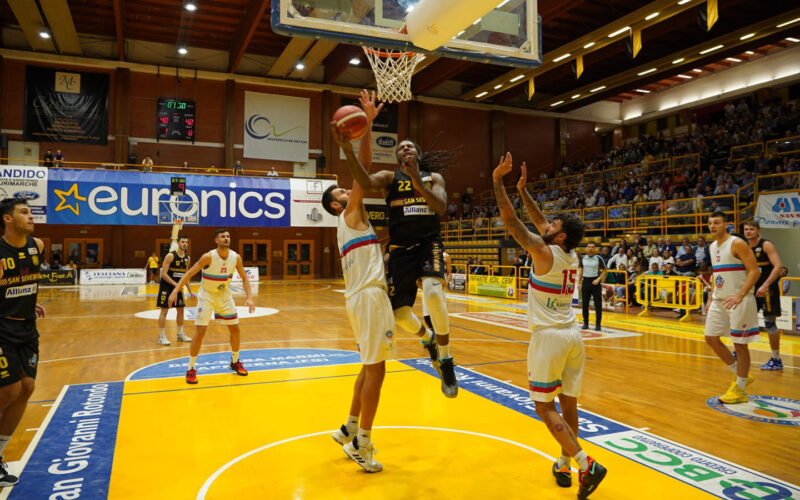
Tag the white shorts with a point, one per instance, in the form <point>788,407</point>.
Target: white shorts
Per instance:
<point>555,362</point>
<point>371,316</point>
<point>741,324</point>
<point>221,304</point>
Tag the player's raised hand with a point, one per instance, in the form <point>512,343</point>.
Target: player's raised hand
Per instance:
<point>523,177</point>
<point>40,312</point>
<point>368,104</point>
<point>340,139</point>
<point>503,167</point>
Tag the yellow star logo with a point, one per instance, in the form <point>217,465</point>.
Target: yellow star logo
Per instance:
<point>73,193</point>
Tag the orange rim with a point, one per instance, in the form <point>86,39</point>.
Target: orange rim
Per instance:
<point>383,53</point>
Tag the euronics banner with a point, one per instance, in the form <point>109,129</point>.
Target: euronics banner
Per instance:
<point>132,198</point>
<point>494,286</point>
<point>781,210</point>
<point>276,127</point>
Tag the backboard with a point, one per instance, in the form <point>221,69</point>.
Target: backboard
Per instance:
<point>509,35</point>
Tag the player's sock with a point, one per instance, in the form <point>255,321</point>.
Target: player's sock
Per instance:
<point>563,461</point>
<point>364,436</point>
<point>776,353</point>
<point>192,361</point>
<point>741,382</point>
<point>180,331</point>
<point>3,442</point>
<point>162,332</point>
<point>352,424</point>
<point>582,459</point>
<point>234,356</point>
<point>733,367</point>
<point>427,336</point>
<point>444,351</point>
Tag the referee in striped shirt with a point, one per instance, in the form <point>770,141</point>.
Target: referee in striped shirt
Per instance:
<point>593,273</point>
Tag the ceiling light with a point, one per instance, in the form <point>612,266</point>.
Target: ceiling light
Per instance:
<point>481,94</point>
<point>749,52</point>
<point>787,23</point>
<point>190,6</point>
<point>588,45</point>
<point>651,16</point>
<point>697,70</point>
<point>745,37</point>
<point>576,96</point>
<point>409,8</point>
<point>733,59</point>
<point>44,34</point>
<point>712,49</point>
<point>647,71</point>
<point>598,88</point>
<point>643,91</point>
<point>182,51</point>
<point>678,61</point>
<point>500,85</point>
<point>619,32</point>
<point>518,77</point>
<point>355,61</point>
<point>685,77</point>
<point>790,39</point>
<point>556,103</point>
<point>683,2</point>
<point>561,58</point>
<point>300,65</point>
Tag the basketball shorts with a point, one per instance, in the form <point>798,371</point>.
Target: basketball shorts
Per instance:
<point>555,362</point>
<point>372,319</point>
<point>220,304</point>
<point>18,356</point>
<point>164,291</point>
<point>741,324</point>
<point>408,264</point>
<point>770,304</point>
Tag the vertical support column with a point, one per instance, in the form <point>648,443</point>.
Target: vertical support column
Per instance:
<point>414,122</point>
<point>498,147</point>
<point>3,151</point>
<point>122,114</point>
<point>560,149</point>
<point>117,246</point>
<point>329,246</point>
<point>230,118</point>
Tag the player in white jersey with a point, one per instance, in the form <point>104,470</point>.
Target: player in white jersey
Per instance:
<point>368,308</point>
<point>555,353</point>
<point>731,307</point>
<point>215,295</point>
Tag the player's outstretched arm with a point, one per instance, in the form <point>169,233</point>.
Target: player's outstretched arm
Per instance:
<point>540,253</point>
<point>741,250</point>
<point>436,196</point>
<point>378,180</point>
<point>246,284</point>
<point>204,261</point>
<point>368,105</point>
<point>775,260</point>
<point>355,215</point>
<point>530,206</point>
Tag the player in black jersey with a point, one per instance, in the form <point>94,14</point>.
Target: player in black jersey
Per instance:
<point>416,198</point>
<point>768,294</point>
<point>20,254</point>
<point>172,270</point>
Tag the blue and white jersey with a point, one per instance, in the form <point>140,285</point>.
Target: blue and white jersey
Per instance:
<point>729,272</point>
<point>362,261</point>
<point>217,276</point>
<point>550,295</point>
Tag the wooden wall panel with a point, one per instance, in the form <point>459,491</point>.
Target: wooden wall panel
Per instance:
<point>531,139</point>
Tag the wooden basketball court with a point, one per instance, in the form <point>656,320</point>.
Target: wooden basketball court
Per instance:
<point>128,415</point>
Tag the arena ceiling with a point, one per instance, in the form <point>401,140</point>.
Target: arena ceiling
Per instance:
<point>235,36</point>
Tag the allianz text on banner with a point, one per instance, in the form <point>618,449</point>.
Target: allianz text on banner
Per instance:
<point>780,210</point>
<point>132,198</point>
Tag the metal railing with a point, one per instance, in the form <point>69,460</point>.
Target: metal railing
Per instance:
<point>745,151</point>
<point>672,292</point>
<point>624,284</point>
<point>784,145</point>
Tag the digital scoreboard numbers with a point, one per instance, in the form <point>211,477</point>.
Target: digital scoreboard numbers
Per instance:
<point>177,186</point>
<point>175,119</point>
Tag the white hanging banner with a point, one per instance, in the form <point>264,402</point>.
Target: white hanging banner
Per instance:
<point>276,127</point>
<point>780,210</point>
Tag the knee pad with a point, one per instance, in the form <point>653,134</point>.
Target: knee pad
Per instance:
<point>769,325</point>
<point>407,320</point>
<point>433,296</point>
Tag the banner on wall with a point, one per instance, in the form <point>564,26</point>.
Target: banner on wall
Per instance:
<point>113,277</point>
<point>384,134</point>
<point>780,210</point>
<point>377,211</point>
<point>251,272</point>
<point>276,127</point>
<point>29,183</point>
<point>53,277</point>
<point>65,106</point>
<point>307,208</point>
<point>493,286</point>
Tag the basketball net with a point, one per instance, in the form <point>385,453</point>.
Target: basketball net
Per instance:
<point>393,71</point>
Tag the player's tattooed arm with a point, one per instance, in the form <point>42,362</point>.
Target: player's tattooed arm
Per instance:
<point>530,206</point>
<point>526,239</point>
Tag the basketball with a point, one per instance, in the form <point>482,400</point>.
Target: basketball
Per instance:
<point>351,122</point>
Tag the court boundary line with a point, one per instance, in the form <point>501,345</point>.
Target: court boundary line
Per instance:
<point>201,494</point>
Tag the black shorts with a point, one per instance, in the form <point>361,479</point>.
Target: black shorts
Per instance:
<point>164,291</point>
<point>408,264</point>
<point>769,305</point>
<point>17,358</point>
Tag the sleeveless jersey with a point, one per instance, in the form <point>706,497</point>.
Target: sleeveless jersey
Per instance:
<point>411,220</point>
<point>178,267</point>
<point>362,261</point>
<point>217,276</point>
<point>550,295</point>
<point>765,267</point>
<point>20,282</point>
<point>729,272</point>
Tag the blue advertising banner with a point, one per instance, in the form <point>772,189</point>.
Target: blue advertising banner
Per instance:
<point>132,198</point>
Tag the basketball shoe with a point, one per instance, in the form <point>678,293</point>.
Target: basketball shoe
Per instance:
<point>562,475</point>
<point>773,364</point>
<point>750,380</point>
<point>363,455</point>
<point>239,368</point>
<point>342,436</point>
<point>191,376</point>
<point>448,375</point>
<point>733,395</point>
<point>590,479</point>
<point>6,479</point>
<point>162,340</point>
<point>183,338</point>
<point>433,351</point>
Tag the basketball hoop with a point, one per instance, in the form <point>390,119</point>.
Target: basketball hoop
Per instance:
<point>393,71</point>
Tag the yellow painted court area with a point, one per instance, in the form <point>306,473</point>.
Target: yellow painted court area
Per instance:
<point>268,436</point>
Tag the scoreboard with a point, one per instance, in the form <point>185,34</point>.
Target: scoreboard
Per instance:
<point>175,119</point>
